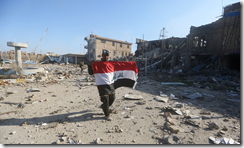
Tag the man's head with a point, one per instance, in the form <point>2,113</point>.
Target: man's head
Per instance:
<point>105,55</point>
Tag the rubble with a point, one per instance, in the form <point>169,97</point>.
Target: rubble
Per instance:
<point>194,96</point>
<point>171,139</point>
<point>194,120</point>
<point>33,90</point>
<point>223,141</point>
<point>133,97</point>
<point>213,125</point>
<point>161,99</point>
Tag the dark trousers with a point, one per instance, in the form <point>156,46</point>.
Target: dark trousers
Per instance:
<point>107,100</point>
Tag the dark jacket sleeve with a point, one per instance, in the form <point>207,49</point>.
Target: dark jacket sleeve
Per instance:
<point>90,71</point>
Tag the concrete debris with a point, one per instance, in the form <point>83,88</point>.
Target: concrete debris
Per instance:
<point>194,120</point>
<point>2,98</point>
<point>194,96</point>
<point>162,94</point>
<point>11,91</point>
<point>171,139</point>
<point>175,110</point>
<point>206,117</point>
<point>12,133</point>
<point>225,128</point>
<point>118,129</point>
<point>33,90</point>
<point>204,112</point>
<point>186,112</point>
<point>161,99</point>
<point>52,125</point>
<point>178,105</point>
<point>172,128</point>
<point>98,141</point>
<point>141,102</point>
<point>213,125</point>
<point>133,97</point>
<point>223,141</point>
<point>172,96</point>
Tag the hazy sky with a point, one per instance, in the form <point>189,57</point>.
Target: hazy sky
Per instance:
<point>69,21</point>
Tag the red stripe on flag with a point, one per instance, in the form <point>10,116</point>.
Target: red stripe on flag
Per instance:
<point>111,66</point>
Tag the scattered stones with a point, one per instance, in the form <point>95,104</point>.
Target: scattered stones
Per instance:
<point>72,130</point>
<point>204,112</point>
<point>2,98</point>
<point>225,128</point>
<point>213,125</point>
<point>52,125</point>
<point>194,120</point>
<point>192,131</point>
<point>141,102</point>
<point>98,141</point>
<point>222,132</point>
<point>178,105</point>
<point>172,140</point>
<point>110,131</point>
<point>206,117</point>
<point>186,112</point>
<point>11,91</point>
<point>118,130</point>
<point>80,125</point>
<point>149,108</point>
<point>20,105</point>
<point>194,96</point>
<point>172,128</point>
<point>167,114</point>
<point>58,142</point>
<point>63,138</point>
<point>161,114</point>
<point>54,95</point>
<point>177,111</point>
<point>12,133</point>
<point>33,90</point>
<point>161,99</point>
<point>133,97</point>
<point>226,120</point>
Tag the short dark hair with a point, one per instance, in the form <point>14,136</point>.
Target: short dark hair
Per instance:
<point>105,52</point>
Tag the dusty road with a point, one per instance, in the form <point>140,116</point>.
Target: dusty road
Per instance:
<point>62,112</point>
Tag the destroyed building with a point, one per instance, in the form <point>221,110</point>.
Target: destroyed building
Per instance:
<point>219,41</point>
<point>116,48</point>
<point>215,45</point>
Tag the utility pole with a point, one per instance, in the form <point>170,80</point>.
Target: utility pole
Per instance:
<point>162,49</point>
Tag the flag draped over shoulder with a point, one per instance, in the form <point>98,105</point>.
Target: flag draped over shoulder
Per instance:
<point>111,75</point>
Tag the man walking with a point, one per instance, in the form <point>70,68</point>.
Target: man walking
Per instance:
<point>109,98</point>
<point>82,66</point>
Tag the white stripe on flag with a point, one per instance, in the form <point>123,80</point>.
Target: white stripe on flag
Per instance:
<point>125,74</point>
<point>104,78</point>
<point>109,78</point>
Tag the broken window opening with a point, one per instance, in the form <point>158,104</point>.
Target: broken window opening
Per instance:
<point>203,42</point>
<point>128,46</point>
<point>195,41</point>
<point>113,44</point>
<point>103,41</point>
<point>120,45</point>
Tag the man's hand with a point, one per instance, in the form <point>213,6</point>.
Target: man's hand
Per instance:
<point>91,62</point>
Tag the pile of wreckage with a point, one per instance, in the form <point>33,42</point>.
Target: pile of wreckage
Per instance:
<point>211,52</point>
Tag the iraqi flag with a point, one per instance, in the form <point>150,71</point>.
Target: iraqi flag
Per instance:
<point>111,75</point>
